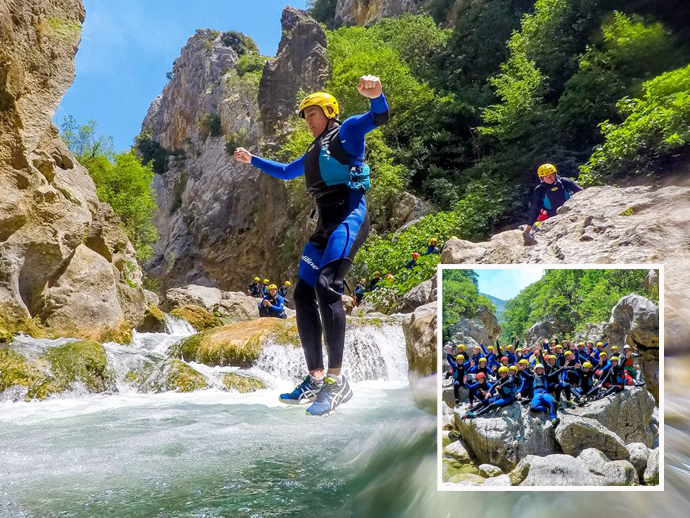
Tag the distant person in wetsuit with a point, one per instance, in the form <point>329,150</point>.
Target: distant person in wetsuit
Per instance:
<point>552,192</point>
<point>272,304</point>
<point>432,248</point>
<point>374,282</point>
<point>359,291</point>
<point>337,177</point>
<point>255,288</point>
<point>264,288</point>
<point>412,262</point>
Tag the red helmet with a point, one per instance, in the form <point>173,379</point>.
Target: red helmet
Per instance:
<point>481,375</point>
<point>415,255</point>
<point>505,358</point>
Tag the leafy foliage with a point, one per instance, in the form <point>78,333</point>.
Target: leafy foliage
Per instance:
<point>656,124</point>
<point>210,125</point>
<point>461,298</point>
<point>121,181</point>
<point>575,297</point>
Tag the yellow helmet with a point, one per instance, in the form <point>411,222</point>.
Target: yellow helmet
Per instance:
<point>266,281</point>
<point>257,279</point>
<point>481,360</point>
<point>433,241</point>
<point>272,287</point>
<point>614,348</point>
<point>324,100</point>
<point>603,353</point>
<point>288,284</point>
<point>600,344</point>
<point>462,346</point>
<point>512,367</point>
<point>587,364</point>
<point>524,362</point>
<point>546,170</point>
<point>503,369</point>
<point>519,350</point>
<point>460,357</point>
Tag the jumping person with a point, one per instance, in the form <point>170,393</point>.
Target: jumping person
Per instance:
<point>337,178</point>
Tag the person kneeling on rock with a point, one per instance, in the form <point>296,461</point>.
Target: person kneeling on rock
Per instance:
<point>272,304</point>
<point>541,399</point>
<point>504,388</point>
<point>479,389</point>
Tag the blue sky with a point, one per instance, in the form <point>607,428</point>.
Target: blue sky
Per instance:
<point>507,283</point>
<point>128,46</point>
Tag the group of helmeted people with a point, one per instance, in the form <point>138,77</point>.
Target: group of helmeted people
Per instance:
<point>549,377</point>
<point>273,299</point>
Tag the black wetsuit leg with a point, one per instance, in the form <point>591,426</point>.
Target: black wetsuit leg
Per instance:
<point>309,324</point>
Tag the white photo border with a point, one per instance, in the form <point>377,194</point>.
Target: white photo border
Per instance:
<point>439,348</point>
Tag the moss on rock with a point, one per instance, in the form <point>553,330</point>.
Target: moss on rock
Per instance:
<point>17,370</point>
<point>10,327</point>
<point>154,321</point>
<point>237,344</point>
<point>182,378</point>
<point>198,317</point>
<point>241,383</point>
<point>84,361</point>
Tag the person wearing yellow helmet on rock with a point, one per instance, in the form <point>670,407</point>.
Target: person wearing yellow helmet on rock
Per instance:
<point>272,304</point>
<point>374,281</point>
<point>264,288</point>
<point>283,291</point>
<point>337,177</point>
<point>552,192</point>
<point>255,289</point>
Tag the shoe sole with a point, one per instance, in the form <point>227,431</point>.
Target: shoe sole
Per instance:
<point>294,402</point>
<point>347,398</point>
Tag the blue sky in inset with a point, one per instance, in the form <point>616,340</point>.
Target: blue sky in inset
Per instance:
<point>127,47</point>
<point>507,283</point>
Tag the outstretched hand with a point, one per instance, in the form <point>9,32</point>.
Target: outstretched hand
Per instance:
<point>242,155</point>
<point>369,86</point>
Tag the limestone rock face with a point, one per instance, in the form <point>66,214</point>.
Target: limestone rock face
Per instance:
<point>490,322</point>
<point>420,339</point>
<point>507,436</point>
<point>301,62</point>
<point>50,217</point>
<point>552,470</point>
<point>639,455</point>
<point>420,295</point>
<point>368,12</point>
<point>651,474</point>
<point>203,296</point>
<point>610,473</point>
<point>545,329</point>
<point>592,228</point>
<point>576,434</point>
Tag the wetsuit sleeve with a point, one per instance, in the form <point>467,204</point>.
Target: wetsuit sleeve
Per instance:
<point>534,206</point>
<point>453,363</point>
<point>279,304</point>
<point>354,128</point>
<point>484,349</point>
<point>279,170</point>
<point>571,185</point>
<point>498,349</point>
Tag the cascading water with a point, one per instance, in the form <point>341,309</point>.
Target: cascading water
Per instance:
<point>209,452</point>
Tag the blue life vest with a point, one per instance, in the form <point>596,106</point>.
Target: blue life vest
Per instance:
<point>355,176</point>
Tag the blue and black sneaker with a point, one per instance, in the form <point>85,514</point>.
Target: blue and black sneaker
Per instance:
<point>331,395</point>
<point>304,393</point>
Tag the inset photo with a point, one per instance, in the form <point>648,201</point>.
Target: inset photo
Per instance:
<point>550,377</point>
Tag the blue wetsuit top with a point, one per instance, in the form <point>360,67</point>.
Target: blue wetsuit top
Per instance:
<point>276,306</point>
<point>345,142</point>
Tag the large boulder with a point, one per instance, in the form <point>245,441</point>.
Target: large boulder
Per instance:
<point>368,12</point>
<point>192,294</point>
<point>486,317</point>
<point>49,207</point>
<point>610,473</point>
<point>237,306</point>
<point>552,470</point>
<point>420,295</point>
<point>505,436</point>
<point>576,434</point>
<point>627,414</point>
<point>545,329</point>
<point>607,225</point>
<point>420,339</point>
<point>470,332</point>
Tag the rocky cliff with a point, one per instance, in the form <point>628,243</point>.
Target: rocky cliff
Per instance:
<point>63,255</point>
<point>368,12</point>
<point>607,225</point>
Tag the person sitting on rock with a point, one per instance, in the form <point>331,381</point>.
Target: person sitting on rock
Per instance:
<point>412,262</point>
<point>525,390</point>
<point>571,377</point>
<point>505,361</point>
<point>480,367</point>
<point>432,248</point>
<point>476,354</point>
<point>272,304</point>
<point>587,383</point>
<point>500,394</point>
<point>559,385</point>
<point>627,359</point>
<point>519,355</point>
<point>459,374</point>
<point>603,365</point>
<point>541,399</point>
<point>359,291</point>
<point>581,352</point>
<point>491,358</point>
<point>264,289</point>
<point>479,389</point>
<point>255,288</point>
<point>552,192</point>
<point>510,353</point>
<point>599,350</point>
<point>614,379</point>
<point>283,291</point>
<point>558,352</point>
